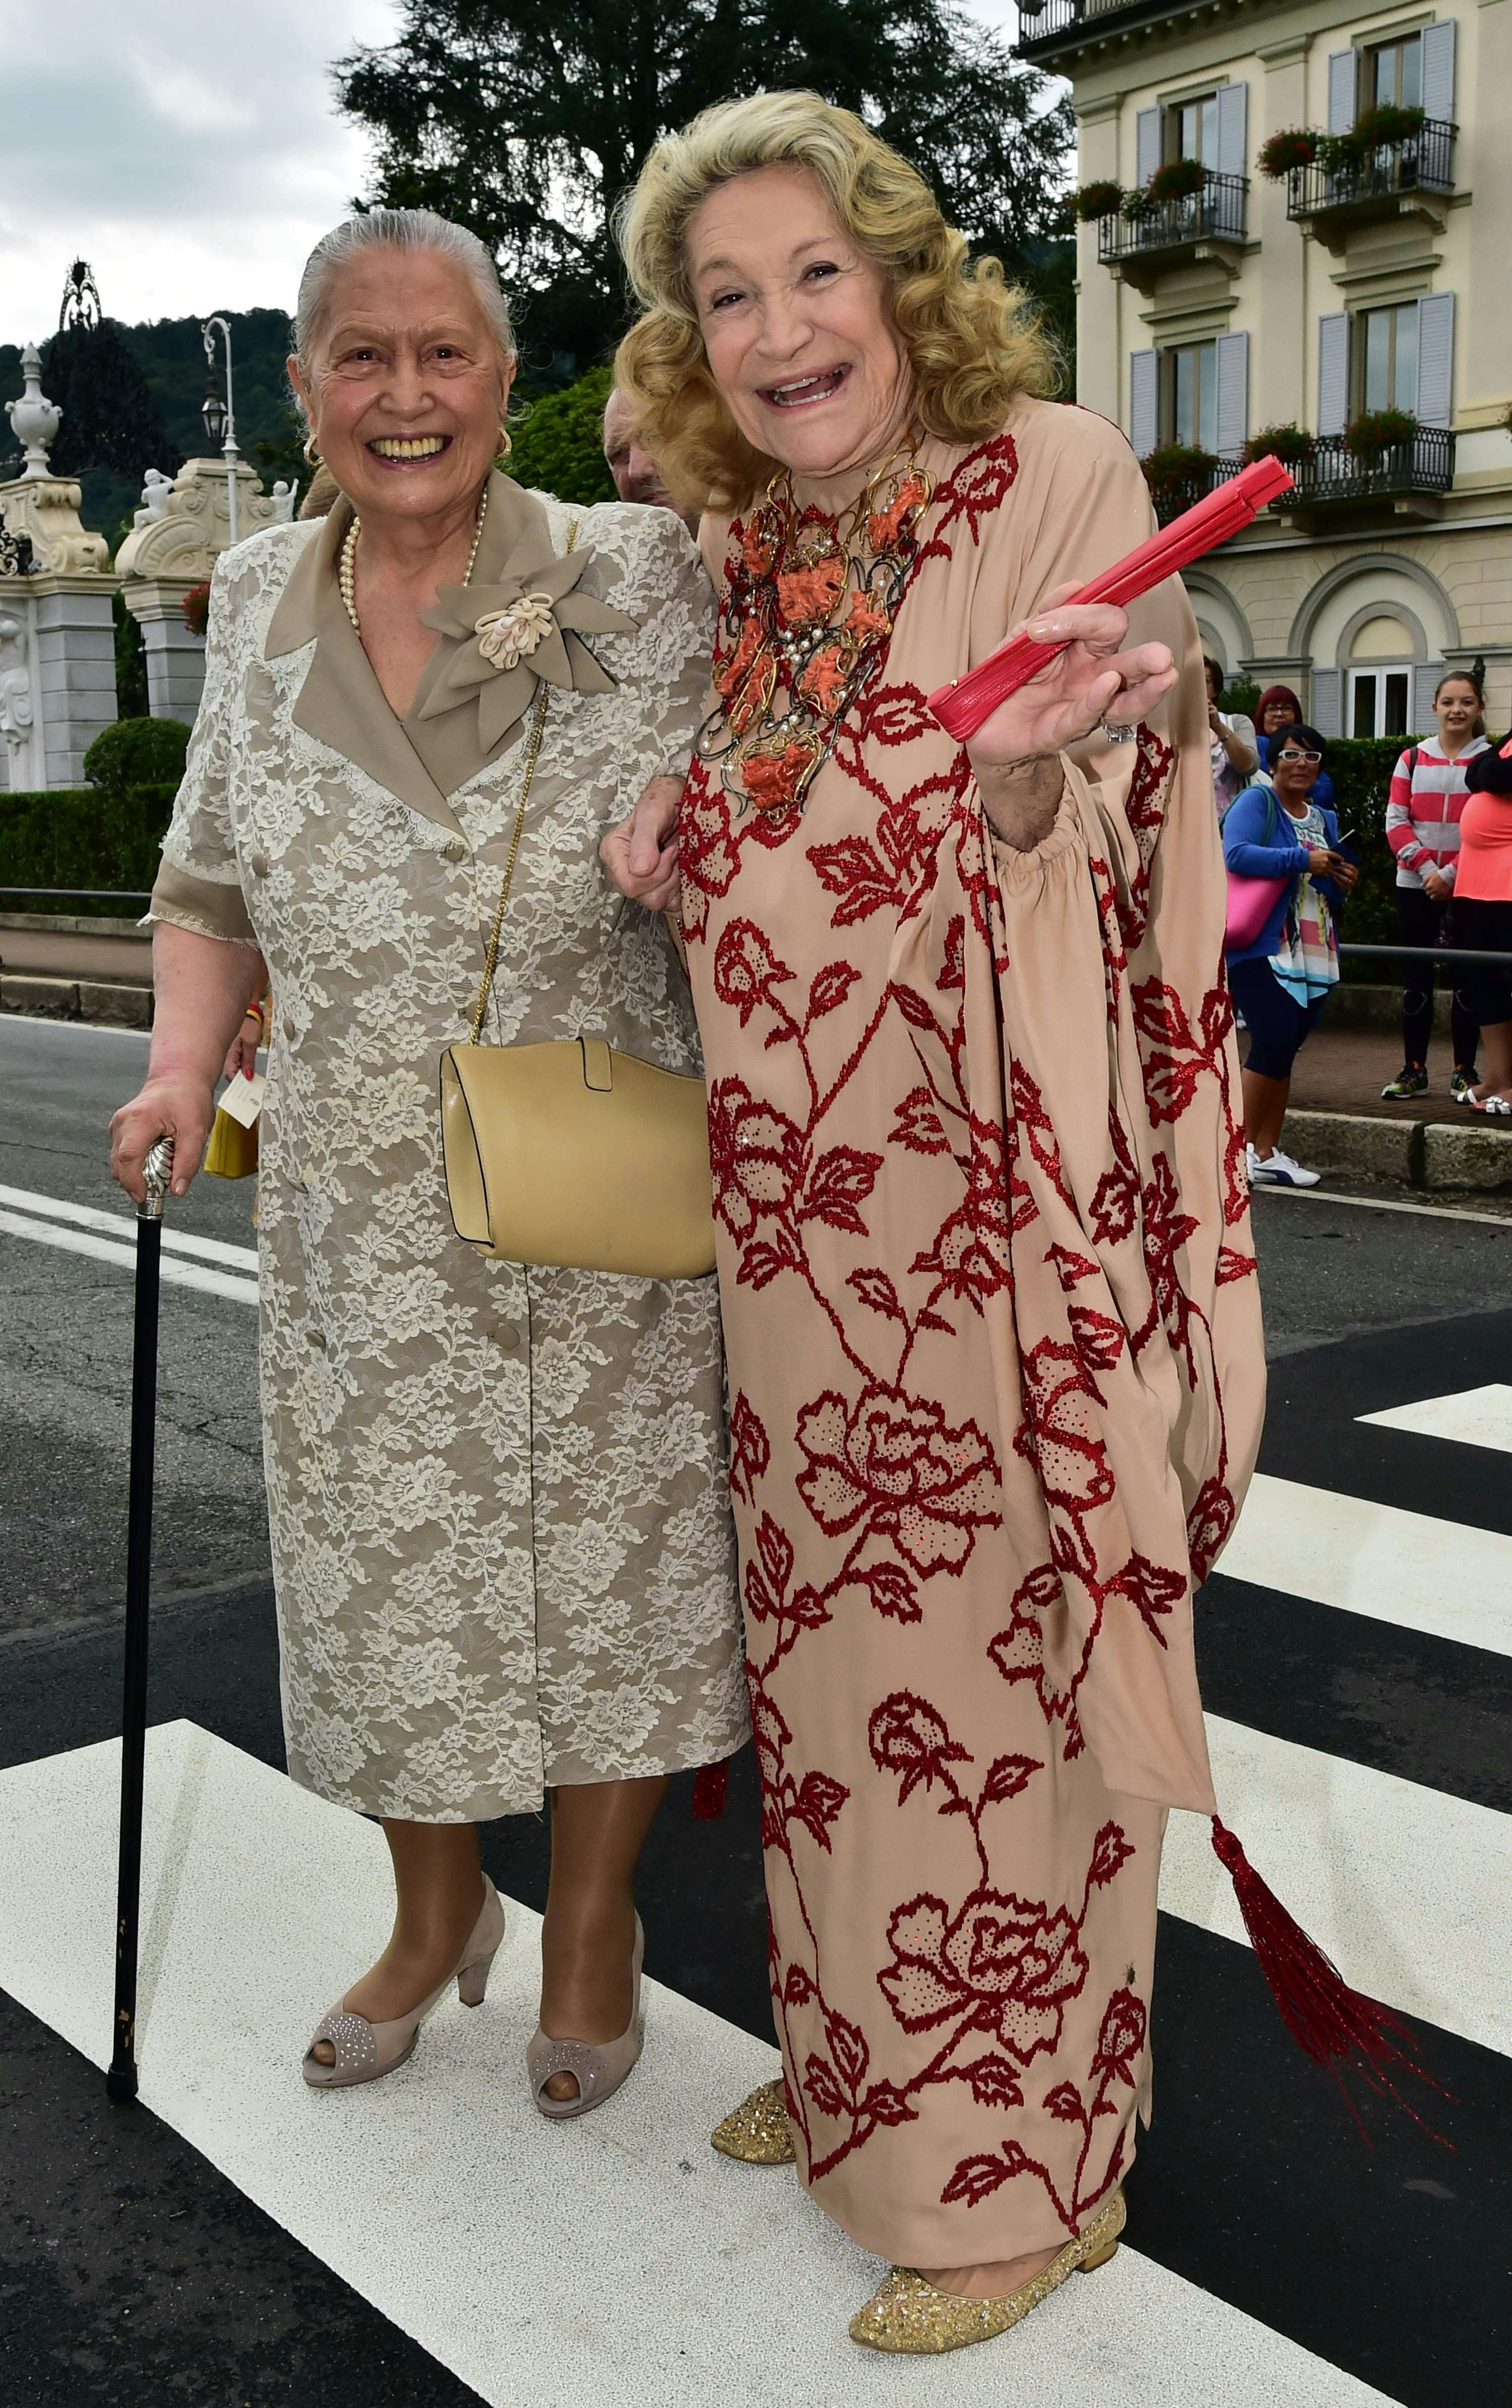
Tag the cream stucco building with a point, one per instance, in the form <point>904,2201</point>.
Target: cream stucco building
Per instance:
<point>1381,280</point>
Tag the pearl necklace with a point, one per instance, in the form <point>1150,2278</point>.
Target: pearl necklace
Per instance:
<point>347,566</point>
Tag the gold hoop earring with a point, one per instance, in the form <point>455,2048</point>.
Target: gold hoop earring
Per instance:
<point>310,452</point>
<point>507,444</point>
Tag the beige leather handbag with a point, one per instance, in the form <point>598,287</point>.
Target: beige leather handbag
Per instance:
<point>573,1153</point>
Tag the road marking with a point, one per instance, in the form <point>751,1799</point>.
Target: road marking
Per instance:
<point>1414,1569</point>
<point>105,1250</point>
<point>1386,1204</point>
<point>1404,1887</point>
<point>257,1900</point>
<point>89,1216</point>
<point>1474,1417</point>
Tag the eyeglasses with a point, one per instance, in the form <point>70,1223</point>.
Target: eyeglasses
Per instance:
<point>1299,757</point>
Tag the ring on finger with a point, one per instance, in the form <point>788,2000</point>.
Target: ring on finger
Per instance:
<point>1116,733</point>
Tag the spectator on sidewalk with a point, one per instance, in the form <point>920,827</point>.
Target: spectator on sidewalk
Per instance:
<point>1281,980</point>
<point>1423,828</point>
<point>1232,742</point>
<point>1483,919</point>
<point>1276,709</point>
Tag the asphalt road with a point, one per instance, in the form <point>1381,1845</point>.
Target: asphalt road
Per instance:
<point>1327,1271</point>
<point>106,2218</point>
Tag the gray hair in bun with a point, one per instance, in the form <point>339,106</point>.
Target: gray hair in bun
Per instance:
<point>393,230</point>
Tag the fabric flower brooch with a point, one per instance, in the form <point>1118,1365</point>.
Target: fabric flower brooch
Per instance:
<point>511,634</point>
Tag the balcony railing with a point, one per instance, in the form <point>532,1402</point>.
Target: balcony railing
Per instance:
<point>1172,496</point>
<point>1422,465</point>
<point>1420,162</point>
<point>1217,212</point>
<point>1046,25</point>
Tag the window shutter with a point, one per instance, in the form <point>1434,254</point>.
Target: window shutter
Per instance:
<point>1435,359</point>
<point>1332,372</point>
<point>1144,402</point>
<point>1232,394</point>
<point>1342,76</point>
<point>1328,701</point>
<point>1147,145</point>
<point>1232,139</point>
<point>1425,676</point>
<point>1438,70</point>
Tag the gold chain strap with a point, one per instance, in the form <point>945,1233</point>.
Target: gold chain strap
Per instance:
<point>537,731</point>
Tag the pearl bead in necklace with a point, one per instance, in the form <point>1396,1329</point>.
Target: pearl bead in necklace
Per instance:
<point>347,566</point>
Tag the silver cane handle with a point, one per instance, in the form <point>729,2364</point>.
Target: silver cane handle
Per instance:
<point>156,1170</point>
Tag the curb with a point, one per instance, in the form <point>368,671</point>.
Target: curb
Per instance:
<point>100,1001</point>
<point>1415,1154</point>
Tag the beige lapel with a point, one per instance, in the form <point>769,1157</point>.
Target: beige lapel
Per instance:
<point>341,703</point>
<point>449,744</point>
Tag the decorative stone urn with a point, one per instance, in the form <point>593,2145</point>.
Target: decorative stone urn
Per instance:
<point>34,419</point>
<point>176,537</point>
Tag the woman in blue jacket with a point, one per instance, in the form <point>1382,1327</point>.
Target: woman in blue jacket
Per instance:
<point>1280,981</point>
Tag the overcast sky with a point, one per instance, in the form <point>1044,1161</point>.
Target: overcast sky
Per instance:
<point>189,150</point>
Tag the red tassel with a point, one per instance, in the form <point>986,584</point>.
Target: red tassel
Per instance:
<point>710,1782</point>
<point>1337,2025</point>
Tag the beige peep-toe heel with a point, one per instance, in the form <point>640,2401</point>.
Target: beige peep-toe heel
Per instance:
<point>597,2071</point>
<point>365,2052</point>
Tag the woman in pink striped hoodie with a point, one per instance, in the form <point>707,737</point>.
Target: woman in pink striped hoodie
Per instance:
<point>1423,828</point>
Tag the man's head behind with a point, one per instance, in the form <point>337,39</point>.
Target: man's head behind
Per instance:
<point>636,475</point>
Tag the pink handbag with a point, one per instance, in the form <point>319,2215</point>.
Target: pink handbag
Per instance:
<point>1252,901</point>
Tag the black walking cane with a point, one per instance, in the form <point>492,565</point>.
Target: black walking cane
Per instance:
<point>121,2082</point>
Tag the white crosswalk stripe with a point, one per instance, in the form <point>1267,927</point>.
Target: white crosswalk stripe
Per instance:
<point>1378,1560</point>
<point>111,1238</point>
<point>443,2200</point>
<point>1474,1418</point>
<point>616,2261</point>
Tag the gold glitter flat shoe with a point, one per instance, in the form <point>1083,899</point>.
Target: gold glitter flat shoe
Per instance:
<point>758,2132</point>
<point>906,2313</point>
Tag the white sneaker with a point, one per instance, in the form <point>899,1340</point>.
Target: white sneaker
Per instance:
<point>1277,1170</point>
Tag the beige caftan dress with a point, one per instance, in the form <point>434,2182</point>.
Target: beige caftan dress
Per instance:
<point>996,1369</point>
<point>497,1495</point>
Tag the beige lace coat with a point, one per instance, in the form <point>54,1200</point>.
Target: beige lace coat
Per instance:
<point>497,1498</point>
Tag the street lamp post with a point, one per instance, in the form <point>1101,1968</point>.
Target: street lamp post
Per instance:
<point>220,416</point>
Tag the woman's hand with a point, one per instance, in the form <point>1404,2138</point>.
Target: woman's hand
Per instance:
<point>181,1107</point>
<point>241,1060</point>
<point>1091,681</point>
<point>1436,885</point>
<point>1323,863</point>
<point>641,854</point>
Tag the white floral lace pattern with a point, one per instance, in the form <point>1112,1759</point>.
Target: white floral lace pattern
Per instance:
<point>497,1495</point>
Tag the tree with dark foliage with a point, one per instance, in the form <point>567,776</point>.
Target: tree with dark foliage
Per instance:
<point>527,119</point>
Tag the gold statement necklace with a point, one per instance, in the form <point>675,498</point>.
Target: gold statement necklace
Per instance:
<point>809,610</point>
<point>347,566</point>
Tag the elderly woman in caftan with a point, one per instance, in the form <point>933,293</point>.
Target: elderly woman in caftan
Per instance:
<point>990,1300</point>
<point>496,1493</point>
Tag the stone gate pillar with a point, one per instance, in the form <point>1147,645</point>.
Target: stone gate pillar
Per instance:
<point>57,635</point>
<point>176,537</point>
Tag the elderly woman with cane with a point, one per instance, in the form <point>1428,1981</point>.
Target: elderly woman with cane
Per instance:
<point>989,1302</point>
<point>496,1493</point>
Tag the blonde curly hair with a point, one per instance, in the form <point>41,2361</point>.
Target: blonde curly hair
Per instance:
<point>972,338</point>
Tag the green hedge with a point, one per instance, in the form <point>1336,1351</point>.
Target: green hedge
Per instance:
<point>558,442</point>
<point>78,836</point>
<point>1360,767</point>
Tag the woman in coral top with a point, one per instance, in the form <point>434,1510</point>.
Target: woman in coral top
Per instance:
<point>1483,919</point>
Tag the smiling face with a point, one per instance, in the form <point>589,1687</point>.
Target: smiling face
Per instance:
<point>796,328</point>
<point>1456,708</point>
<point>1295,768</point>
<point>407,388</point>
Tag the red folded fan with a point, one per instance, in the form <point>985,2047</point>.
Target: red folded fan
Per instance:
<point>962,706</point>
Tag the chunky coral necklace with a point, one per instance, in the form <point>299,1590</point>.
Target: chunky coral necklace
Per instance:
<point>809,610</point>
